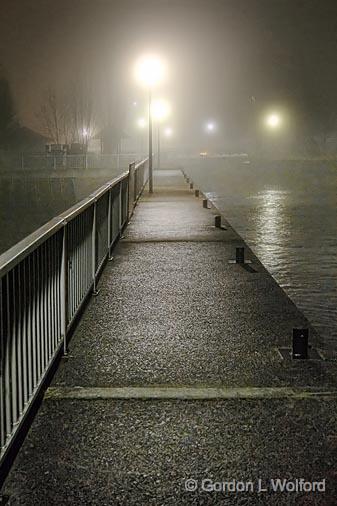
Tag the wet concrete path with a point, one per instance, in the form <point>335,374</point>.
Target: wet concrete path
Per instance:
<point>175,373</point>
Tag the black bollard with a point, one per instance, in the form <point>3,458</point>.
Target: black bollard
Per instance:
<point>196,193</point>
<point>191,186</point>
<point>240,255</point>
<point>217,221</point>
<point>300,343</point>
<point>205,203</point>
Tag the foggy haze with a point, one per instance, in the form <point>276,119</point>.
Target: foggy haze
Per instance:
<point>220,54</point>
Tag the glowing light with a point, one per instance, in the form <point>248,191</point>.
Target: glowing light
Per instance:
<point>141,123</point>
<point>273,120</point>
<point>168,132</point>
<point>85,132</point>
<point>134,104</point>
<point>150,71</point>
<point>210,127</point>
<point>160,109</point>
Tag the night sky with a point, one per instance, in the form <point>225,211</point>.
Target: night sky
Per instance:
<point>220,53</point>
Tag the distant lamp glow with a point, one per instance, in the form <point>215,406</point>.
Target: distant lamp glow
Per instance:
<point>134,104</point>
<point>150,71</point>
<point>210,127</point>
<point>273,120</point>
<point>168,132</point>
<point>141,123</point>
<point>160,109</point>
<point>85,132</point>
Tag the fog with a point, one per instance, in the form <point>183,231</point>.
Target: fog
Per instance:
<point>228,61</point>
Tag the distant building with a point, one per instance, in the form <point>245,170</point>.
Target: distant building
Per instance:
<point>75,148</point>
<point>52,148</point>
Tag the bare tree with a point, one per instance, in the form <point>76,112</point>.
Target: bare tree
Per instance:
<point>52,116</point>
<point>68,115</point>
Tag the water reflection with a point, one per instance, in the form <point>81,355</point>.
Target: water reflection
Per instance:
<point>272,221</point>
<point>287,215</point>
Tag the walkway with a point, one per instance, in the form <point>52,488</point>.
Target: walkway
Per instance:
<point>175,373</point>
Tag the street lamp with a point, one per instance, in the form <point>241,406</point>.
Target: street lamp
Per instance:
<point>149,72</point>
<point>168,132</point>
<point>160,110</point>
<point>273,120</point>
<point>210,127</point>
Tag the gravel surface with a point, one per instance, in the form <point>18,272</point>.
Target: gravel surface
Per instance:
<point>141,452</point>
<point>179,313</point>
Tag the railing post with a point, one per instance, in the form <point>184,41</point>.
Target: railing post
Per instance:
<point>127,196</point>
<point>8,419</point>
<point>120,207</point>
<point>64,289</point>
<point>94,249</point>
<point>2,371</point>
<point>109,224</point>
<point>135,186</point>
<point>130,189</point>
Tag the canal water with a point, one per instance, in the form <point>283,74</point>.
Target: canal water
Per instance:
<point>287,213</point>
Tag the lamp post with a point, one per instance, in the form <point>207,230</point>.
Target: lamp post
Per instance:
<point>160,111</point>
<point>158,145</point>
<point>149,72</point>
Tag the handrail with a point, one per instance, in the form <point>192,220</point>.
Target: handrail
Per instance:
<point>45,280</point>
<point>19,251</point>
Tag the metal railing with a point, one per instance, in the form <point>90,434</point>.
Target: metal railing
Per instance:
<point>44,282</point>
